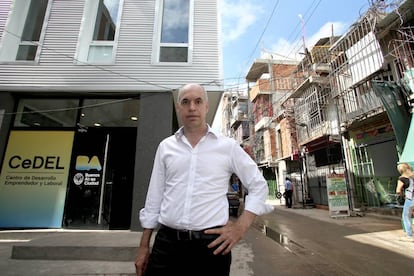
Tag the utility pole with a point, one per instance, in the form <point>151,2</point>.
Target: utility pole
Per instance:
<point>305,50</point>
<point>303,33</point>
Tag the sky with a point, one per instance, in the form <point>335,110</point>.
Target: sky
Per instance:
<point>251,28</point>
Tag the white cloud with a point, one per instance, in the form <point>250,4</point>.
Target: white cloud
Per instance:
<point>237,17</point>
<point>284,49</point>
<point>326,31</point>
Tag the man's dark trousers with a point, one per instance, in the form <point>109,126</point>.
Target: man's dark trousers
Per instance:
<point>289,194</point>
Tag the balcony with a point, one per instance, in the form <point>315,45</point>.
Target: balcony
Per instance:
<point>316,115</point>
<point>239,112</point>
<point>327,129</point>
<point>242,132</point>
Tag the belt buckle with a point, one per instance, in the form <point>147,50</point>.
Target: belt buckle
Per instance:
<point>188,235</point>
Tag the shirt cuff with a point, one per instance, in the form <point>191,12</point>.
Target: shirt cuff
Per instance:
<point>148,220</point>
<point>257,206</point>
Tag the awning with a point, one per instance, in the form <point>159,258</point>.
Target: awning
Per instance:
<point>407,155</point>
<point>392,98</point>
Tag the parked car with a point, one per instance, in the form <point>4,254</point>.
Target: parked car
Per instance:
<point>234,203</point>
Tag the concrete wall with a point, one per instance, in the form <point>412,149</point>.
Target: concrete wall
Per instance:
<point>152,128</point>
<point>6,107</point>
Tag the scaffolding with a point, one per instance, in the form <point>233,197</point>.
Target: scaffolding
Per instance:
<point>401,49</point>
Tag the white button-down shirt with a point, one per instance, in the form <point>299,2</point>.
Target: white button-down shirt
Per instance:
<point>188,185</point>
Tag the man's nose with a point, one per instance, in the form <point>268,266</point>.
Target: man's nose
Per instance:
<point>192,105</point>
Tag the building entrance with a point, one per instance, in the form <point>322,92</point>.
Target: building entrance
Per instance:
<point>100,184</point>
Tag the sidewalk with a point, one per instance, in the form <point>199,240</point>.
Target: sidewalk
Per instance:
<point>68,252</point>
<point>76,252</point>
<point>372,228</point>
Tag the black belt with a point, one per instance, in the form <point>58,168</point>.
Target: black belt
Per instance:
<point>187,235</point>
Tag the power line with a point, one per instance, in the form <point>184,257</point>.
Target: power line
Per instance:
<point>70,108</point>
<point>93,65</point>
<point>297,44</point>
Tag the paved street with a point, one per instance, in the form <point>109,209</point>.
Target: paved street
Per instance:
<point>342,246</point>
<point>285,242</point>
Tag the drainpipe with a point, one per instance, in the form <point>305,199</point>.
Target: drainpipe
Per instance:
<point>349,181</point>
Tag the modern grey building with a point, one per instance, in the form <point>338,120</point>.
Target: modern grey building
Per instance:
<point>87,91</point>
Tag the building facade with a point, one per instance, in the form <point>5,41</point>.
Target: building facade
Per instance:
<point>370,81</point>
<point>345,118</point>
<point>87,91</point>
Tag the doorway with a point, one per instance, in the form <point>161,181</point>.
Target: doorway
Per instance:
<point>99,194</point>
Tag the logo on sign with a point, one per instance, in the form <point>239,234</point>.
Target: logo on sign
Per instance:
<point>83,163</point>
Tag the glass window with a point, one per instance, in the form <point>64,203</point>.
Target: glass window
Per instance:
<point>99,32</point>
<point>173,54</point>
<point>46,113</point>
<point>26,52</point>
<point>23,38</point>
<point>106,20</point>
<point>100,53</point>
<point>175,30</point>
<point>109,113</point>
<point>175,21</point>
<point>32,30</point>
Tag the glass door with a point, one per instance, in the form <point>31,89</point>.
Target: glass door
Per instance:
<point>101,178</point>
<point>102,168</point>
<point>84,202</point>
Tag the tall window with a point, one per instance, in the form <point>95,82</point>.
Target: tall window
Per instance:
<point>23,37</point>
<point>175,31</point>
<point>32,30</point>
<point>99,33</point>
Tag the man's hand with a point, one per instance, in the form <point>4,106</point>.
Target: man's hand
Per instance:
<point>141,260</point>
<point>231,233</point>
<point>143,252</point>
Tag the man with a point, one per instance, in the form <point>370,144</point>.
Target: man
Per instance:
<point>289,192</point>
<point>187,197</point>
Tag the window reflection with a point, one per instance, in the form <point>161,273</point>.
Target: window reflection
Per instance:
<point>175,31</point>
<point>32,30</point>
<point>106,20</point>
<point>109,113</point>
<point>64,113</point>
<point>46,113</point>
<point>175,21</point>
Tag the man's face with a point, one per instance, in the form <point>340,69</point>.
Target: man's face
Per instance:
<point>192,107</point>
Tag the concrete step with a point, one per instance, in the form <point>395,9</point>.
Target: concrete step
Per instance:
<point>89,253</point>
<point>116,246</point>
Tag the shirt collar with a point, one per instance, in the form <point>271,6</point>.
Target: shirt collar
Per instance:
<point>180,132</point>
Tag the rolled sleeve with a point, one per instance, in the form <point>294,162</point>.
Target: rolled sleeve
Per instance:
<point>257,205</point>
<point>252,179</point>
<point>148,220</point>
<point>149,215</point>
<point>258,193</point>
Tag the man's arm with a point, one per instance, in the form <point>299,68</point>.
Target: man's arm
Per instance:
<point>143,252</point>
<point>231,233</point>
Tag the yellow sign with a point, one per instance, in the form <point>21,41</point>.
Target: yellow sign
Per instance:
<point>34,178</point>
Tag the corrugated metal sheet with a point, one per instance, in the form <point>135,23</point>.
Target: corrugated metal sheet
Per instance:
<point>133,69</point>
<point>4,14</point>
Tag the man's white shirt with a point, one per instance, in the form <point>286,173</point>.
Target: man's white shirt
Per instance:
<point>188,185</point>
